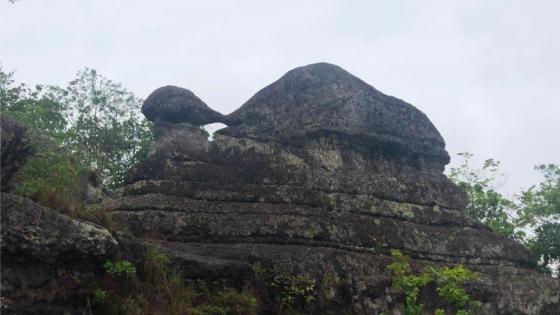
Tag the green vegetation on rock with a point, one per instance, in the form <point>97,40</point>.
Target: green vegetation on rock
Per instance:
<point>157,288</point>
<point>290,294</point>
<point>448,283</point>
<point>51,177</point>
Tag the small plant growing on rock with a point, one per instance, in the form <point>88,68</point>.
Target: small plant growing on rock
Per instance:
<point>157,289</point>
<point>155,265</point>
<point>120,268</point>
<point>448,281</point>
<point>411,284</point>
<point>291,294</point>
<point>99,296</point>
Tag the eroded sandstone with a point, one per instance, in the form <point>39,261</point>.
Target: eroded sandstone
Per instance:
<point>318,174</point>
<point>46,256</point>
<point>322,175</point>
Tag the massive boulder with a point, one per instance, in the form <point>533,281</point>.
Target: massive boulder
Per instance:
<point>14,149</point>
<point>322,175</point>
<point>46,256</point>
<point>322,99</point>
<point>36,233</point>
<point>173,104</point>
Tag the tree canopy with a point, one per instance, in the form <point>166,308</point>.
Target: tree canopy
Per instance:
<point>531,217</point>
<point>93,118</point>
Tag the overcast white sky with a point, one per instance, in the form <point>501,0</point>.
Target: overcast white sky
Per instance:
<point>487,73</point>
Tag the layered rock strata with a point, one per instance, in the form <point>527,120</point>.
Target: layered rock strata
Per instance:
<point>322,175</point>
<point>47,257</point>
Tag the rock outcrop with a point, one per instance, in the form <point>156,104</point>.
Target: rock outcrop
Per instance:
<point>46,256</point>
<point>325,99</point>
<point>14,149</point>
<point>321,175</point>
<point>36,233</point>
<point>178,105</point>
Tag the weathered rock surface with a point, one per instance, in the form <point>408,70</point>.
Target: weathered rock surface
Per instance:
<point>14,148</point>
<point>323,175</point>
<point>39,233</point>
<point>45,256</point>
<point>321,99</point>
<point>178,105</point>
<point>318,174</point>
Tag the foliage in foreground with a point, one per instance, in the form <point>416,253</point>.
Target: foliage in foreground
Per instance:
<point>155,288</point>
<point>448,283</point>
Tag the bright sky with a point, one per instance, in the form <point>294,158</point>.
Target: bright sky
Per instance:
<point>487,73</point>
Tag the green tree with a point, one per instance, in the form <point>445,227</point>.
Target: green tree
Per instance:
<point>94,119</point>
<point>106,130</point>
<point>51,176</point>
<point>539,209</point>
<point>546,245</point>
<point>485,204</point>
<point>531,217</point>
<point>541,203</point>
<point>34,107</point>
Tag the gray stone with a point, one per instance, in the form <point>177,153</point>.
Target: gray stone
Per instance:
<point>39,233</point>
<point>322,99</point>
<point>45,256</point>
<point>323,177</point>
<point>178,105</point>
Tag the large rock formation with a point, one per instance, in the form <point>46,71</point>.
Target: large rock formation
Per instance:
<point>318,174</point>
<point>321,175</point>
<point>323,98</point>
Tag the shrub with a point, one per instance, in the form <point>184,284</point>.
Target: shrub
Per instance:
<point>100,295</point>
<point>120,268</point>
<point>52,178</point>
<point>448,281</point>
<point>155,265</point>
<point>156,289</point>
<point>289,293</point>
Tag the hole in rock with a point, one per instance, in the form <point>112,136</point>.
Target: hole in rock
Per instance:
<point>211,128</point>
